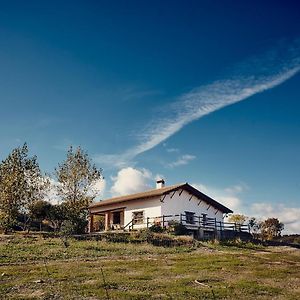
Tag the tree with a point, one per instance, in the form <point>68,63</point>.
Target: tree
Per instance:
<point>238,219</point>
<point>77,177</point>
<point>21,184</point>
<point>271,228</point>
<point>254,226</point>
<point>57,215</point>
<point>40,211</point>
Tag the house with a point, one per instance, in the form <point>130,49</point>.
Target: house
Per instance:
<point>182,203</point>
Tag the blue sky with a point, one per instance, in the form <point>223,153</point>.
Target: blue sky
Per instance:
<point>200,91</point>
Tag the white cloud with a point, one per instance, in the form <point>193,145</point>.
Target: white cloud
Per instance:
<point>130,180</point>
<point>254,76</point>
<point>172,150</point>
<point>52,195</point>
<point>289,216</point>
<point>228,196</point>
<point>99,188</point>
<point>182,160</point>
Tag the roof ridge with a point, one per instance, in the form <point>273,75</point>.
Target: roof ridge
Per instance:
<point>147,191</point>
<point>170,187</point>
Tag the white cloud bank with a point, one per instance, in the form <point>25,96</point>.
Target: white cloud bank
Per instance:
<point>232,198</point>
<point>130,180</point>
<point>254,76</point>
<point>289,216</point>
<point>98,187</point>
<point>229,196</point>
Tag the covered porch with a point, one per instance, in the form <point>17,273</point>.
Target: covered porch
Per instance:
<point>106,220</point>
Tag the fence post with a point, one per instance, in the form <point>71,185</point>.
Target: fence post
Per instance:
<point>147,222</point>
<point>163,221</point>
<point>180,218</point>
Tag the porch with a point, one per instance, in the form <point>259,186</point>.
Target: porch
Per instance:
<point>106,220</point>
<point>201,226</point>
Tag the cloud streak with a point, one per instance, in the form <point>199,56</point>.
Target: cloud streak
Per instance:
<point>249,78</point>
<point>181,161</point>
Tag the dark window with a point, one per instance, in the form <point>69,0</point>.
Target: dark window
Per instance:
<point>204,219</point>
<point>138,217</point>
<point>116,217</point>
<point>189,217</point>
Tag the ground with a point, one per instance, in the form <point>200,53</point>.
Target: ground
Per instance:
<point>39,268</point>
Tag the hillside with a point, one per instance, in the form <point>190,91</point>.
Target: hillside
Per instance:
<point>36,268</point>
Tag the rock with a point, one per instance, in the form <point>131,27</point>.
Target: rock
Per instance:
<point>38,281</point>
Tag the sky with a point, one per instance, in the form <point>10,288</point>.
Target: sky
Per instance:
<point>204,92</point>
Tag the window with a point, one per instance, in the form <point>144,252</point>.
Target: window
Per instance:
<point>204,219</point>
<point>138,217</point>
<point>189,217</point>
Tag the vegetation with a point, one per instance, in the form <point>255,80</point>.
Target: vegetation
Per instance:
<point>271,228</point>
<point>76,178</point>
<point>34,267</point>
<point>21,185</point>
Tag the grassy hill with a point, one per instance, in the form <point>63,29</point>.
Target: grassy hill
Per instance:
<point>36,268</point>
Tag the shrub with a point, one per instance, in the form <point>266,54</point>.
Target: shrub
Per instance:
<point>177,228</point>
<point>156,228</point>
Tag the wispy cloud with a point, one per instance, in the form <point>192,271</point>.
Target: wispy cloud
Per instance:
<point>181,161</point>
<point>251,77</point>
<point>172,150</point>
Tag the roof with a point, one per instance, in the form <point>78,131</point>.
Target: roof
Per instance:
<point>163,191</point>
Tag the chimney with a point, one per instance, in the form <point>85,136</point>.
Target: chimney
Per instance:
<point>160,183</point>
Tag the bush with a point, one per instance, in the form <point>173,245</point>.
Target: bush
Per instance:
<point>177,228</point>
<point>156,228</point>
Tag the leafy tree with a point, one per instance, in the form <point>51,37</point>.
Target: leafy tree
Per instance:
<point>238,219</point>
<point>56,215</point>
<point>271,228</point>
<point>21,184</point>
<point>40,210</point>
<point>254,226</point>
<point>77,177</point>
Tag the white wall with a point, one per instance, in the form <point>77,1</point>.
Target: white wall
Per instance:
<point>150,207</point>
<point>179,204</point>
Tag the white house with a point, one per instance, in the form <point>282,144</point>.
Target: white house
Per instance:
<point>181,202</point>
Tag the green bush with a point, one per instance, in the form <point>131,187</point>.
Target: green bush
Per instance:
<point>177,228</point>
<point>156,228</point>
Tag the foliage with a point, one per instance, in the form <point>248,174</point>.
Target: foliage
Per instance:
<point>290,239</point>
<point>177,228</point>
<point>56,216</point>
<point>77,177</point>
<point>237,218</point>
<point>156,228</point>
<point>254,226</point>
<point>21,185</point>
<point>271,228</point>
<point>39,211</point>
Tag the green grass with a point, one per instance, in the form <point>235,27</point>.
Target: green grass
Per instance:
<point>37,268</point>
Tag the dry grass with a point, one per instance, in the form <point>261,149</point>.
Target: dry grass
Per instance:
<point>37,268</point>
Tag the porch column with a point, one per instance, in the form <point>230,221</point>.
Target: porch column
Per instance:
<point>107,221</point>
<point>91,223</point>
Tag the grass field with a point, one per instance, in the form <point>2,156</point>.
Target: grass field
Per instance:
<point>37,268</point>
